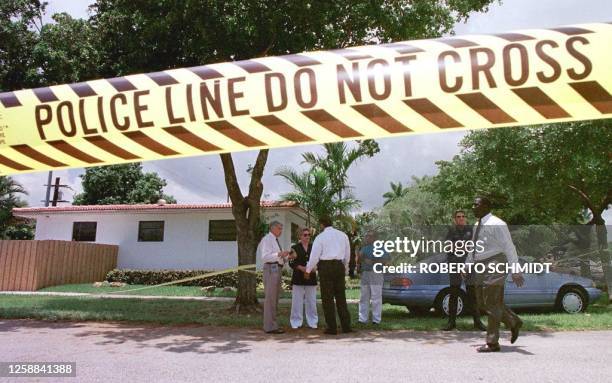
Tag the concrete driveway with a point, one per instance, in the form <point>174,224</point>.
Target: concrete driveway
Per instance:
<point>114,352</point>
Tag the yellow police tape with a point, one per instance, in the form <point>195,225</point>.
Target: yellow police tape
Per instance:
<point>466,82</point>
<point>244,268</point>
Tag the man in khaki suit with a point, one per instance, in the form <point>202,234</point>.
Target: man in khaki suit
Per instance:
<point>273,258</point>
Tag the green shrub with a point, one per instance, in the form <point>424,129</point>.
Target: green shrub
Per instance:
<point>156,277</point>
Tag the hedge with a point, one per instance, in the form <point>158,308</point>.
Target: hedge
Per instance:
<point>155,277</point>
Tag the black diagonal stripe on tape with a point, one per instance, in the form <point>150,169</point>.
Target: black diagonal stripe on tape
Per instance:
<point>122,84</point>
<point>379,117</point>
<point>70,150</point>
<point>83,89</point>
<point>595,94</point>
<point>351,54</point>
<point>9,100</point>
<point>149,143</point>
<point>432,113</point>
<point>37,156</point>
<point>482,105</point>
<point>190,138</point>
<point>45,94</point>
<point>513,37</point>
<point>232,132</point>
<point>403,48</point>
<point>162,78</point>
<point>252,66</point>
<point>331,123</point>
<point>111,148</point>
<point>571,31</point>
<point>541,102</point>
<point>457,43</point>
<point>206,72</point>
<point>281,128</point>
<point>12,164</point>
<point>301,60</point>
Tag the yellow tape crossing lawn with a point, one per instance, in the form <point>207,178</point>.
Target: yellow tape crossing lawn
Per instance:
<point>244,268</point>
<point>467,82</point>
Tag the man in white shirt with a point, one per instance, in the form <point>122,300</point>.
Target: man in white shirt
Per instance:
<point>497,248</point>
<point>331,252</point>
<point>273,258</point>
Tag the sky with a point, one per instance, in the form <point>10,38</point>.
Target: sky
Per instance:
<point>401,158</point>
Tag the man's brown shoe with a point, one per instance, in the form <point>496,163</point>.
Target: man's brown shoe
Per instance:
<point>277,331</point>
<point>488,348</point>
<point>515,332</point>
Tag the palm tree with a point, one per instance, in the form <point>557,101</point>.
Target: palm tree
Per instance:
<point>397,191</point>
<point>338,159</point>
<point>312,189</point>
<point>9,199</point>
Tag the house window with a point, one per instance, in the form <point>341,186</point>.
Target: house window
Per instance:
<point>222,230</point>
<point>84,231</point>
<point>295,237</point>
<point>151,231</point>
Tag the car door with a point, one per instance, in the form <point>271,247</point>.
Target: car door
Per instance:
<point>534,291</point>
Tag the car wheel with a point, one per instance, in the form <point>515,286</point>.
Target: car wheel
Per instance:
<point>571,301</point>
<point>443,299</point>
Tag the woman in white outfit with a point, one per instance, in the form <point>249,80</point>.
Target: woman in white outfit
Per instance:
<point>304,291</point>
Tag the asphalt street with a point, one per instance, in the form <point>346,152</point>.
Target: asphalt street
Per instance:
<point>117,352</point>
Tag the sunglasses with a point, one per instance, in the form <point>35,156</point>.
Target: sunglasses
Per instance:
<point>305,235</point>
<point>459,216</point>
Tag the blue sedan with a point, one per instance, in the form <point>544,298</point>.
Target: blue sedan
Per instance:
<point>420,292</point>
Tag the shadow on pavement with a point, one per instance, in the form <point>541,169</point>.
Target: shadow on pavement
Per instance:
<point>231,340</point>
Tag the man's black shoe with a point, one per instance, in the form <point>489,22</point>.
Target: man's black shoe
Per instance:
<point>348,331</point>
<point>515,332</point>
<point>480,326</point>
<point>488,348</point>
<point>277,331</point>
<point>450,326</point>
<point>330,332</point>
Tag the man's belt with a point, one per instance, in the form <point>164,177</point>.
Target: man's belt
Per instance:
<point>273,263</point>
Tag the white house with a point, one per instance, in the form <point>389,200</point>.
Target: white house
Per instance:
<point>163,236</point>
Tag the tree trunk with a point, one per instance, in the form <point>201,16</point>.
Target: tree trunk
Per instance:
<point>246,211</point>
<point>602,245</point>
<point>601,231</point>
<point>585,269</point>
<point>246,296</point>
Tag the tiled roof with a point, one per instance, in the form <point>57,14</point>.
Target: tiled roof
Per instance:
<point>143,207</point>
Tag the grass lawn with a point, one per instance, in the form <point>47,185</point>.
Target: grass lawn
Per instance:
<point>598,317</point>
<point>352,292</point>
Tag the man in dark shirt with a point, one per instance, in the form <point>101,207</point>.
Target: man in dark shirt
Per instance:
<point>457,233</point>
<point>304,291</point>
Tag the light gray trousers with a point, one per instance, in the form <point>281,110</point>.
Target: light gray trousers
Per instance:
<point>272,288</point>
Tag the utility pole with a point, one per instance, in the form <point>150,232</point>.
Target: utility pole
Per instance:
<point>56,192</point>
<point>48,195</point>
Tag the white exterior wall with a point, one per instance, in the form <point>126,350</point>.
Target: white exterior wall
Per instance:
<point>185,244</point>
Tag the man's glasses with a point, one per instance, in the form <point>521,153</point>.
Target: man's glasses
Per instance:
<point>459,216</point>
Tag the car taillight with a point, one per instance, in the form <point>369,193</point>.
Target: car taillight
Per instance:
<point>401,282</point>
